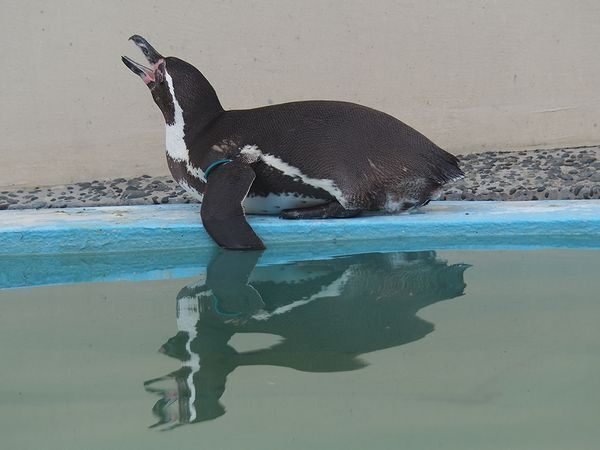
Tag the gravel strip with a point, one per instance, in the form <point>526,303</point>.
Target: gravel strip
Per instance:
<point>566,173</point>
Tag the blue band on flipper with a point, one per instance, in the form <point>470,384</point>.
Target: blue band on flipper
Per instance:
<point>218,310</point>
<point>215,165</point>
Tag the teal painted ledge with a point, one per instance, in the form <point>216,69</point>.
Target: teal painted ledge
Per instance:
<point>47,247</point>
<point>174,227</point>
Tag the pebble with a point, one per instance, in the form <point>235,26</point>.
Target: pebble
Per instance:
<point>569,173</point>
<point>133,193</point>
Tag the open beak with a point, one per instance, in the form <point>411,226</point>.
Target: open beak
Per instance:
<point>152,56</point>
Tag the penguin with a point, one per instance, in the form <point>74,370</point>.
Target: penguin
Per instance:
<point>302,160</point>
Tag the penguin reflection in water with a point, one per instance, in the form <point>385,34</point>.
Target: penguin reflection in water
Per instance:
<point>302,160</point>
<point>327,313</point>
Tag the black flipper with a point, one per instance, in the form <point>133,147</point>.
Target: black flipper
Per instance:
<point>222,212</point>
<point>332,210</point>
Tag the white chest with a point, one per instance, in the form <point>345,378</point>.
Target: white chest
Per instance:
<point>175,144</point>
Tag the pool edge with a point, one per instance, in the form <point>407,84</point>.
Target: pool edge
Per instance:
<point>171,227</point>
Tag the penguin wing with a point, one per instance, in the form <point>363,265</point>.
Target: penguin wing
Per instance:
<point>222,212</point>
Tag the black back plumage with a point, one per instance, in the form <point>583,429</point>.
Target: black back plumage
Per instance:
<point>364,151</point>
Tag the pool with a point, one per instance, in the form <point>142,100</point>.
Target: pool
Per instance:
<point>489,342</point>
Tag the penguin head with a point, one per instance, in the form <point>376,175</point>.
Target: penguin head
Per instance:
<point>173,82</point>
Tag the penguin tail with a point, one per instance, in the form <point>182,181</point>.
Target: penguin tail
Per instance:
<point>445,168</point>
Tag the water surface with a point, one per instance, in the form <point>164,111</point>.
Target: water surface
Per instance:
<point>420,350</point>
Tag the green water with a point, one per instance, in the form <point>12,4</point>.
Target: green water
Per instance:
<point>446,350</point>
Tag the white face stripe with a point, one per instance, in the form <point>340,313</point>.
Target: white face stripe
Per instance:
<point>175,143</point>
<point>253,152</point>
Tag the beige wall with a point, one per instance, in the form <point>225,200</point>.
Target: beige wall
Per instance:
<point>470,74</point>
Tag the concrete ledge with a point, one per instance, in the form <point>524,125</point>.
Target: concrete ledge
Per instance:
<point>173,227</point>
<point>155,242</point>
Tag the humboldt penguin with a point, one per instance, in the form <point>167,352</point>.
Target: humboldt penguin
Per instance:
<point>301,160</point>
